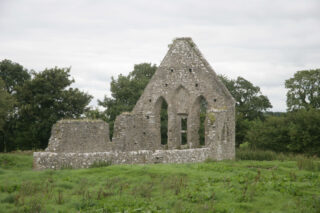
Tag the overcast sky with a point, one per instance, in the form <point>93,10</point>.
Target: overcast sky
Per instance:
<point>264,41</point>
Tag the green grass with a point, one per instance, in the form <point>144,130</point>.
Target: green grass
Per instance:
<point>227,186</point>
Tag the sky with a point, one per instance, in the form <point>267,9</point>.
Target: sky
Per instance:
<point>264,41</point>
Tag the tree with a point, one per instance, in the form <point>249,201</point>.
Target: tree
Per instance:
<point>250,104</point>
<point>6,104</point>
<point>125,91</point>
<point>42,101</point>
<point>297,131</point>
<point>271,134</point>
<point>13,74</point>
<point>304,90</point>
<point>304,131</point>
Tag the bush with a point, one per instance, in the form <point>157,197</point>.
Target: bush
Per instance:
<point>297,132</point>
<point>304,131</point>
<point>272,134</point>
<point>259,155</point>
<point>98,164</point>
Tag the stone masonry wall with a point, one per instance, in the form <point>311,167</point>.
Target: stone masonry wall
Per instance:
<point>51,160</point>
<point>79,136</point>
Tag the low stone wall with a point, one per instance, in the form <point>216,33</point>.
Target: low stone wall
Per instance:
<point>52,160</point>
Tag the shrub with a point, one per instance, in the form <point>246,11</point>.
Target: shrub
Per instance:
<point>100,163</point>
<point>260,155</point>
<point>308,164</point>
<point>297,132</point>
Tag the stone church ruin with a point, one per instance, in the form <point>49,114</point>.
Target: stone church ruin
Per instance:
<point>186,86</point>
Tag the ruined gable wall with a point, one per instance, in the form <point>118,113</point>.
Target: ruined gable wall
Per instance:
<point>79,136</point>
<point>180,87</point>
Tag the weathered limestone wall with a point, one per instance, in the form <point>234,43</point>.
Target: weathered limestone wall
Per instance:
<point>79,136</point>
<point>51,160</point>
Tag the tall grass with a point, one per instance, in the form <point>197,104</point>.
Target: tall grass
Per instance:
<point>260,155</point>
<point>15,161</point>
<point>224,186</point>
<point>303,162</point>
<point>309,164</point>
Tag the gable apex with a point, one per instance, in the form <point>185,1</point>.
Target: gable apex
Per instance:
<point>184,47</point>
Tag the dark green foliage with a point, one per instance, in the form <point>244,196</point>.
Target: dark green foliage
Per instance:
<point>304,131</point>
<point>98,164</point>
<point>6,104</point>
<point>304,90</point>
<point>201,131</point>
<point>43,101</point>
<point>250,104</point>
<point>297,131</point>
<point>125,92</point>
<point>13,74</point>
<point>272,134</point>
<point>203,113</point>
<point>40,99</point>
<point>95,114</point>
<point>259,155</point>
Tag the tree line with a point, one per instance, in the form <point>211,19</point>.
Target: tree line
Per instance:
<point>297,130</point>
<point>31,102</point>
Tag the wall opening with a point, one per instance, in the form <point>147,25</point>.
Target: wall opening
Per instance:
<point>164,122</point>
<point>224,136</point>
<point>184,127</point>
<point>203,113</point>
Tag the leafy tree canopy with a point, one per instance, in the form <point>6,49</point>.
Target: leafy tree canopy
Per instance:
<point>297,131</point>
<point>42,99</point>
<point>13,74</point>
<point>304,90</point>
<point>126,90</point>
<point>250,102</point>
<point>6,104</point>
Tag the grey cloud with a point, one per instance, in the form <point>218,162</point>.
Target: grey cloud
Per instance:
<point>264,41</point>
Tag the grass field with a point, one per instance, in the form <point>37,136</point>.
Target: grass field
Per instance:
<point>227,186</point>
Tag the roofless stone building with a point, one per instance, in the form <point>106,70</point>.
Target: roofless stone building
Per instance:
<point>186,87</point>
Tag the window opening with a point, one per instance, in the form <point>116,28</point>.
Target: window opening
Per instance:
<point>184,127</point>
<point>203,113</point>
<point>164,122</point>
